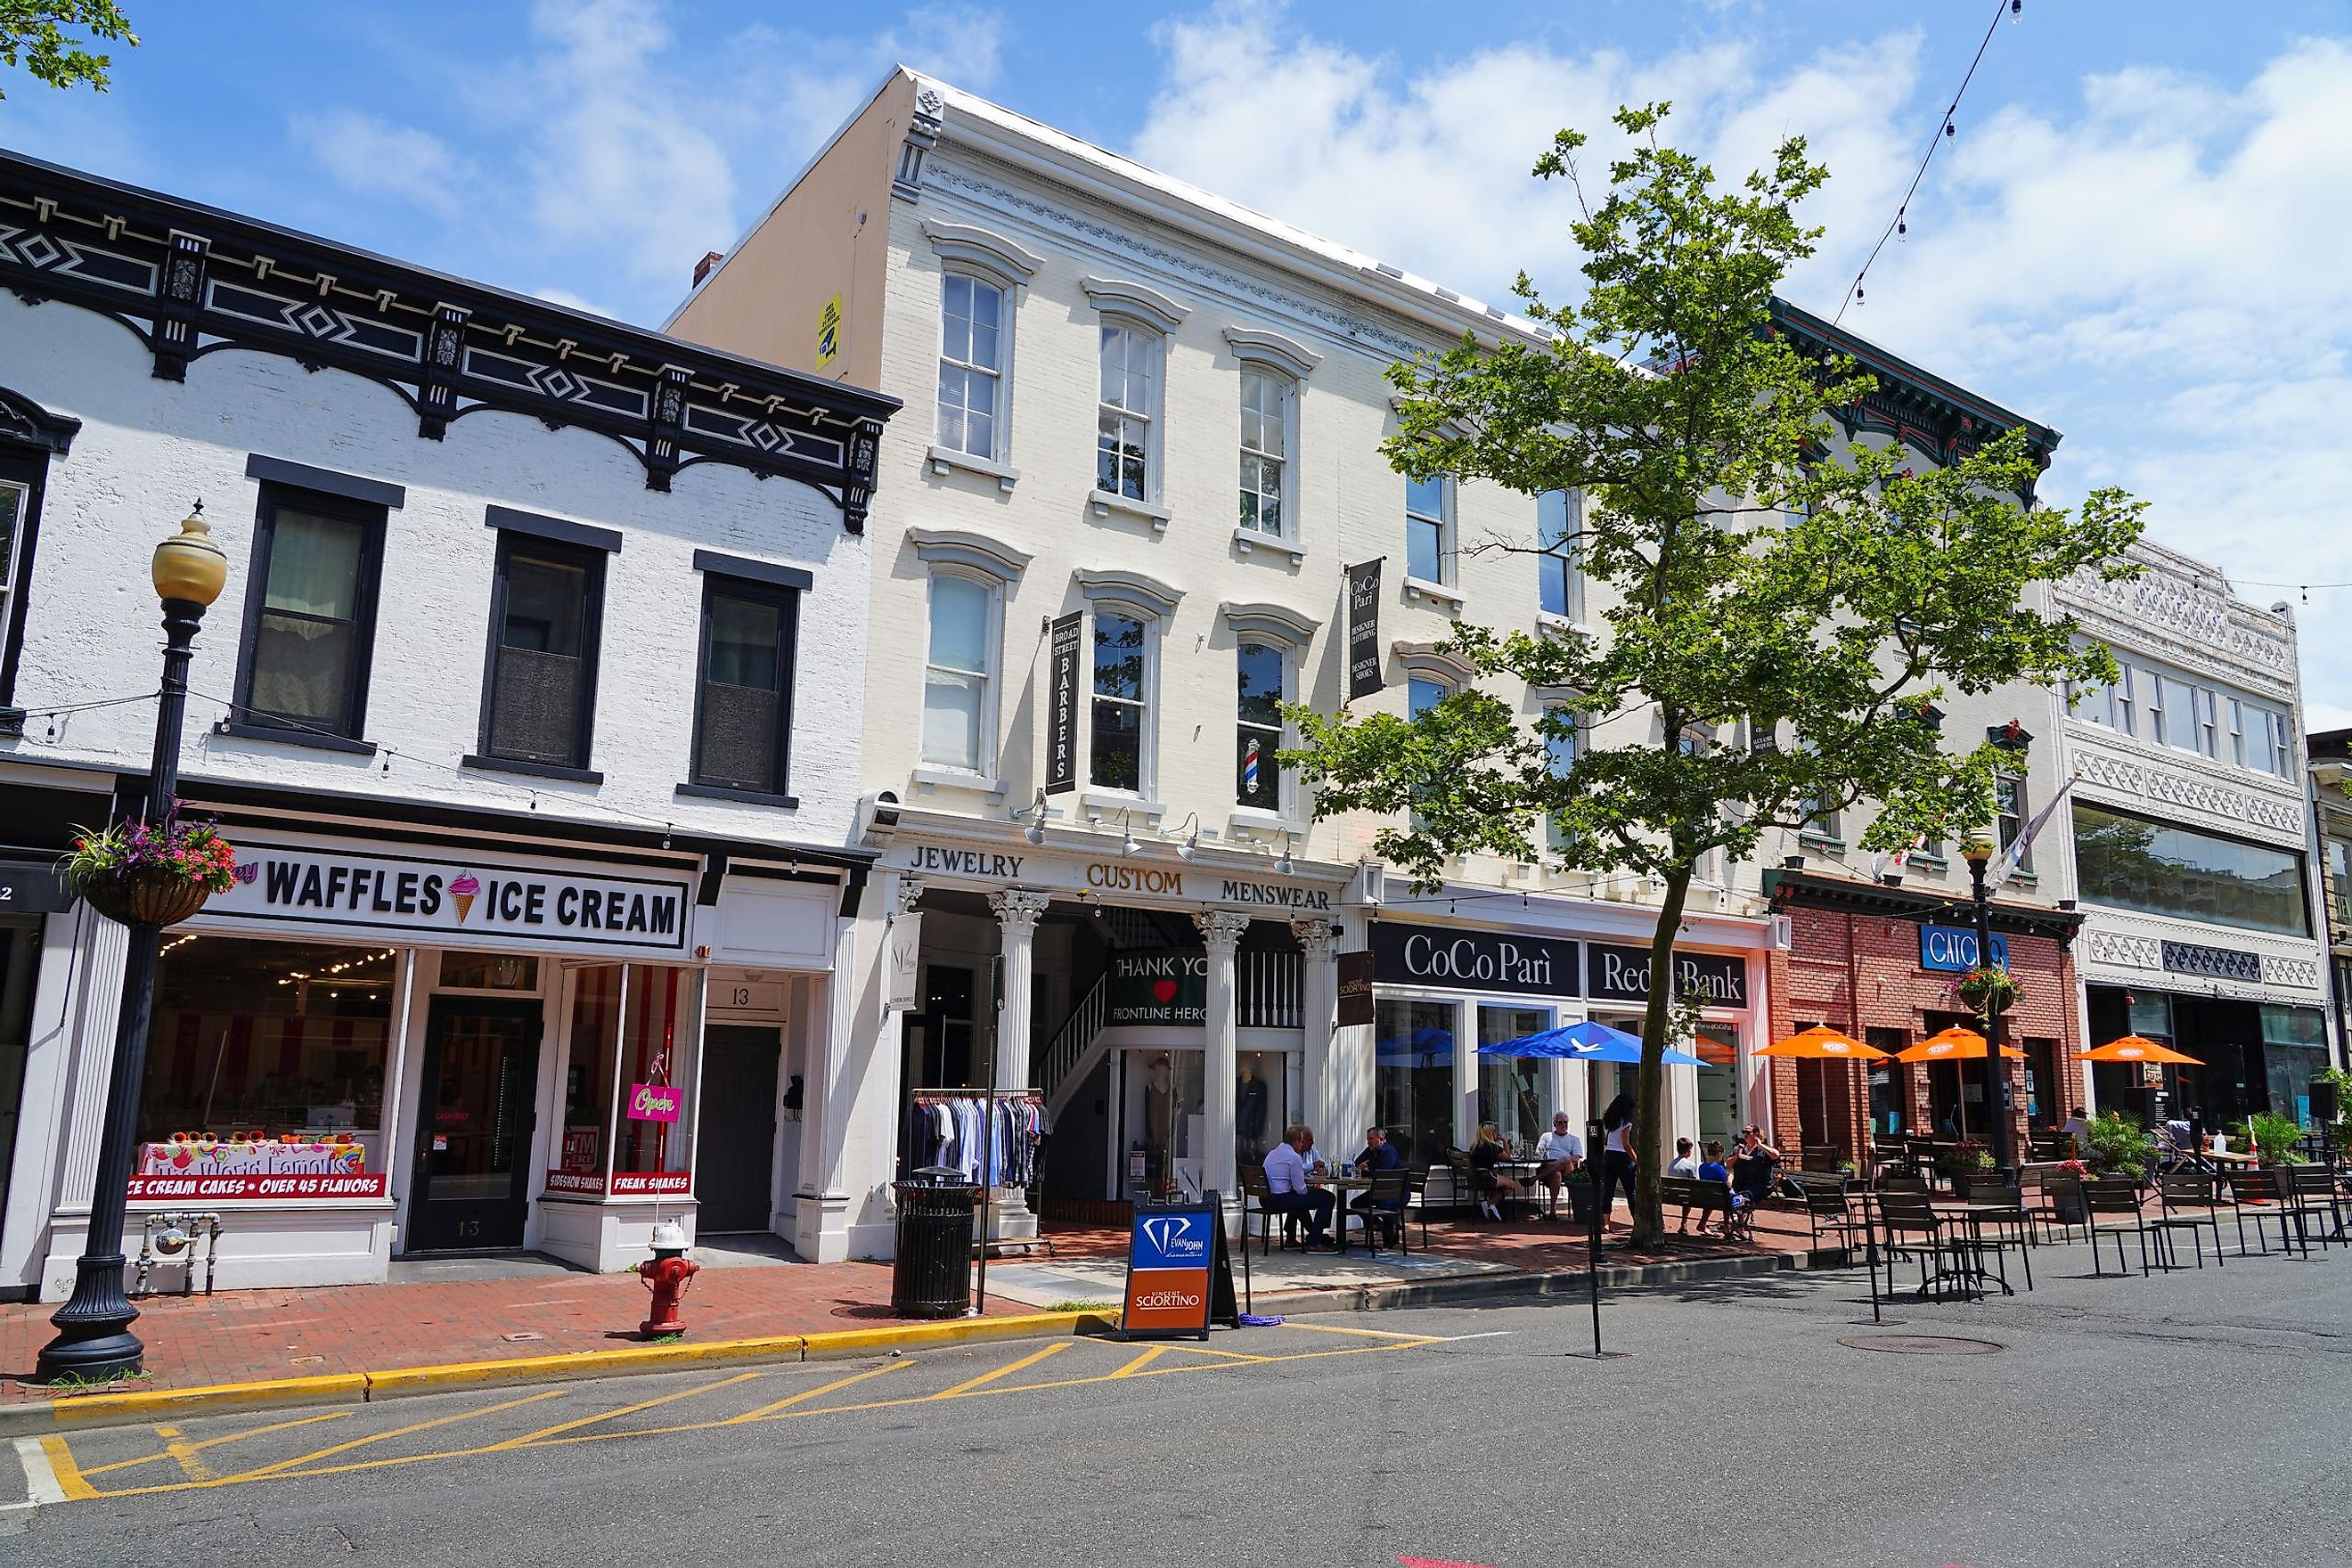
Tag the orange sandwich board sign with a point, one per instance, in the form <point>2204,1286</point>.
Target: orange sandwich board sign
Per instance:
<point>1180,1278</point>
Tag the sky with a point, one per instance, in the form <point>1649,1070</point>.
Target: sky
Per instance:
<point>2137,233</point>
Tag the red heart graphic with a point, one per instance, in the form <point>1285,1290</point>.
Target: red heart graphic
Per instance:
<point>1163,991</point>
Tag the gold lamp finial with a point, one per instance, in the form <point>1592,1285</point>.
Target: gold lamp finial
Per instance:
<point>189,565</point>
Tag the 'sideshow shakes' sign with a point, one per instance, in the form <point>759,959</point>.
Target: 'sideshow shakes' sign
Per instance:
<point>455,902</point>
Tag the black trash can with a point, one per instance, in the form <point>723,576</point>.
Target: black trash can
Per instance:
<point>932,1276</point>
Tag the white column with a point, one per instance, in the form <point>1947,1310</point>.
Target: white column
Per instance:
<point>104,948</point>
<point>1465,1072</point>
<point>1017,910</point>
<point>1220,930</point>
<point>1318,991</point>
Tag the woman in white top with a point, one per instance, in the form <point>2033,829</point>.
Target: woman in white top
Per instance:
<point>1617,1152</point>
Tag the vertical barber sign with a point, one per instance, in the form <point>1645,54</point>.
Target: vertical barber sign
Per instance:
<point>1364,676</point>
<point>1062,720</point>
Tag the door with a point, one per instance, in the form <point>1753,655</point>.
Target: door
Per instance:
<point>735,1152</point>
<point>20,956</point>
<point>474,1124</point>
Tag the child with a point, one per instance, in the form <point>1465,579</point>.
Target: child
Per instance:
<point>1713,1169</point>
<point>1685,1168</point>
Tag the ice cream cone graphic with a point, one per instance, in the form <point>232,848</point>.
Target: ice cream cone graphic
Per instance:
<point>464,890</point>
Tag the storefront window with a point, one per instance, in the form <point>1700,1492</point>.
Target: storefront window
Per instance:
<point>2294,1047</point>
<point>1413,1083</point>
<point>1262,1108</point>
<point>267,1058</point>
<point>2135,864</point>
<point>1167,1123</point>
<point>631,1028</point>
<point>489,971</point>
<point>1510,1089</point>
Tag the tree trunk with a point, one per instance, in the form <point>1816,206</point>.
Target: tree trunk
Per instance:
<point>1650,1084</point>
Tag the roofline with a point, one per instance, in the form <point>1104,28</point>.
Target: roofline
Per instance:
<point>1880,363</point>
<point>562,320</point>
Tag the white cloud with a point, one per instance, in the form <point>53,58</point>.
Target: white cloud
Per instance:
<point>368,156</point>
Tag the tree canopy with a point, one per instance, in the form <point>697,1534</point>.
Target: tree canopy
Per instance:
<point>1782,610</point>
<point>34,34</point>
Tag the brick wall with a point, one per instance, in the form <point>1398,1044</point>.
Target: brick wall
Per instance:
<point>1861,971</point>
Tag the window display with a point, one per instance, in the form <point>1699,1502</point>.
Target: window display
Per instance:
<point>1413,1055</point>
<point>626,1082</point>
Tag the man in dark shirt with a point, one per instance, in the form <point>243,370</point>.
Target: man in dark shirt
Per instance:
<point>1379,1153</point>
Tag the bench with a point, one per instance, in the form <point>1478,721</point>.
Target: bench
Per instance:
<point>1707,1198</point>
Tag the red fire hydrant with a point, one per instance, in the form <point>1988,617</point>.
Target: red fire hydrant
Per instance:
<point>666,1274</point>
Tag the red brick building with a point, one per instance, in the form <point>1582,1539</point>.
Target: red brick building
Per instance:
<point>1879,962</point>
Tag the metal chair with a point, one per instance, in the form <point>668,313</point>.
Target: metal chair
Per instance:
<point>1994,1205</point>
<point>2116,1197</point>
<point>1827,1209</point>
<point>1381,1204</point>
<point>2311,1195</point>
<point>2188,1204</point>
<point>1256,1205</point>
<point>1914,1230</point>
<point>2260,1195</point>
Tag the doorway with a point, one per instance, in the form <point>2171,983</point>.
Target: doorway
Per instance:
<point>474,1123</point>
<point>20,959</point>
<point>736,1148</point>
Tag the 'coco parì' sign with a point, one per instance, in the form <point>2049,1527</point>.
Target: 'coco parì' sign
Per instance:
<point>653,1103</point>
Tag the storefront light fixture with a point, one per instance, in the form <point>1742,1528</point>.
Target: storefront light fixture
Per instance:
<point>1191,845</point>
<point>1035,832</point>
<point>1127,845</point>
<point>1283,866</point>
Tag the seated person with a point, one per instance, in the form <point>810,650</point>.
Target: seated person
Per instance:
<point>1287,1192</point>
<point>2078,1127</point>
<point>1493,1187</point>
<point>1684,1166</point>
<point>1561,1153</point>
<point>1713,1169</point>
<point>1379,1155</point>
<point>1752,1161</point>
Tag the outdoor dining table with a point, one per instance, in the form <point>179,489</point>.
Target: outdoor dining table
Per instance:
<point>1968,1266</point>
<point>1340,1187</point>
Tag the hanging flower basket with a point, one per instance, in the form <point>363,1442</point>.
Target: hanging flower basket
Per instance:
<point>1988,990</point>
<point>155,874</point>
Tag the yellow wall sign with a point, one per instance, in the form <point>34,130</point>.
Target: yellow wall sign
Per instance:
<point>829,332</point>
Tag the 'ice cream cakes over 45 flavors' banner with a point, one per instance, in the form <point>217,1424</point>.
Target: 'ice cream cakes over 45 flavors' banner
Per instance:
<point>443,901</point>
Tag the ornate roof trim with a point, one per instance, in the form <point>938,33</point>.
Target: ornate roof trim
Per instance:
<point>22,419</point>
<point>189,279</point>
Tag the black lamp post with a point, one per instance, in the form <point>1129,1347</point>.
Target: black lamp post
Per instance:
<point>1996,1075</point>
<point>94,1338</point>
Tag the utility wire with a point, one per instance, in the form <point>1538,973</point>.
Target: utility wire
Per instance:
<point>1944,130</point>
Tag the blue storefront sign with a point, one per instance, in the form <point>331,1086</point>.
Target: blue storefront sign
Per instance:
<point>1954,949</point>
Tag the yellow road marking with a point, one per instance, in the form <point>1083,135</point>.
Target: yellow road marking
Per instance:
<point>808,1393</point>
<point>527,1438</point>
<point>68,1473</point>
<point>1032,1359</point>
<point>271,1469</point>
<point>211,1442</point>
<point>1367,1333</point>
<point>177,1448</point>
<point>1204,1349</point>
<point>70,1481</point>
<point>1150,1354</point>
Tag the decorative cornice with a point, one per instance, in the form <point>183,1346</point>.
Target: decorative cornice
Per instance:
<point>1423,658</point>
<point>1793,889</point>
<point>1277,621</point>
<point>1126,587</point>
<point>1255,345</point>
<point>24,420</point>
<point>962,548</point>
<point>189,281</point>
<point>2172,795</point>
<point>1119,296</point>
<point>2179,608</point>
<point>978,246</point>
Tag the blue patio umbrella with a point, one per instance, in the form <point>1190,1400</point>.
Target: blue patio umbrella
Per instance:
<point>1586,1042</point>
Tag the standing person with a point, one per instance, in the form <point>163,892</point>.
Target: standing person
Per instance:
<point>1487,1152</point>
<point>1562,1151</point>
<point>1617,1152</point>
<point>1287,1192</point>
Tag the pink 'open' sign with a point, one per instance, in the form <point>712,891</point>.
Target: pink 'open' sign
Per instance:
<point>651,1102</point>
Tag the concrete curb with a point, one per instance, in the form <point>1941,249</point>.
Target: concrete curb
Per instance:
<point>85,1410</point>
<point>1462,1288</point>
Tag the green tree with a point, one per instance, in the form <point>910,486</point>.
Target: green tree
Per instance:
<point>33,34</point>
<point>1822,598</point>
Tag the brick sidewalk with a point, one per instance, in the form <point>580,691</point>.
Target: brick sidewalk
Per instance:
<point>245,1335</point>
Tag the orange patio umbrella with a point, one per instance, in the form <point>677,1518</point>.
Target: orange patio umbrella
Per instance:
<point>1954,1044</point>
<point>1822,1043</point>
<point>2133,1049</point>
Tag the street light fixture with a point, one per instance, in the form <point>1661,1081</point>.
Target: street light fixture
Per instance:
<point>1979,855</point>
<point>94,1338</point>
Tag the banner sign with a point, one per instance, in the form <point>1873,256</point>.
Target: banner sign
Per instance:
<point>902,963</point>
<point>32,888</point>
<point>653,1103</point>
<point>1953,949</point>
<point>214,1188</point>
<point>1178,1276</point>
<point>1475,960</point>
<point>1615,973</point>
<point>1355,989</point>
<point>1159,986</point>
<point>625,1183</point>
<point>1062,716</point>
<point>453,902</point>
<point>1364,676</point>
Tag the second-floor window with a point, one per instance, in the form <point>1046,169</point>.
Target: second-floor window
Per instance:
<point>546,616</point>
<point>2260,739</point>
<point>1257,728</point>
<point>1265,451</point>
<point>743,703</point>
<point>971,364</point>
<point>2339,883</point>
<point>1129,403</point>
<point>1122,701</point>
<point>1559,517</point>
<point>1560,752</point>
<point>958,731</point>
<point>2009,817</point>
<point>1429,529</point>
<point>311,613</point>
<point>16,476</point>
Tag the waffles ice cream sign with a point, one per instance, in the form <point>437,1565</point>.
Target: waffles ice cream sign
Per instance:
<point>456,903</point>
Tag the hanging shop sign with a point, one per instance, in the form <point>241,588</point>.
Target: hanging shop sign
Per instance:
<point>902,963</point>
<point>1356,974</point>
<point>653,1103</point>
<point>1614,973</point>
<point>1061,717</point>
<point>1364,676</point>
<point>32,888</point>
<point>453,902</point>
<point>1953,949</point>
<point>1474,960</point>
<point>1157,985</point>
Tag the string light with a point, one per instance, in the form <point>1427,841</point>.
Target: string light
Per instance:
<point>1948,130</point>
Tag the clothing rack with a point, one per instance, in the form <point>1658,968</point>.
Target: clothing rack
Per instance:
<point>985,1246</point>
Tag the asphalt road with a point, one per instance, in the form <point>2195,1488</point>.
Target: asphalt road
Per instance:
<point>2195,1418</point>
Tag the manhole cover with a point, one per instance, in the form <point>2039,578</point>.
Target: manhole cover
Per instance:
<point>1920,1345</point>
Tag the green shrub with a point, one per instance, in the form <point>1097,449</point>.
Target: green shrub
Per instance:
<point>2276,1136</point>
<point>2120,1147</point>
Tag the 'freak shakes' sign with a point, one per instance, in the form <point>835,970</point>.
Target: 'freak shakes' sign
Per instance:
<point>455,902</point>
